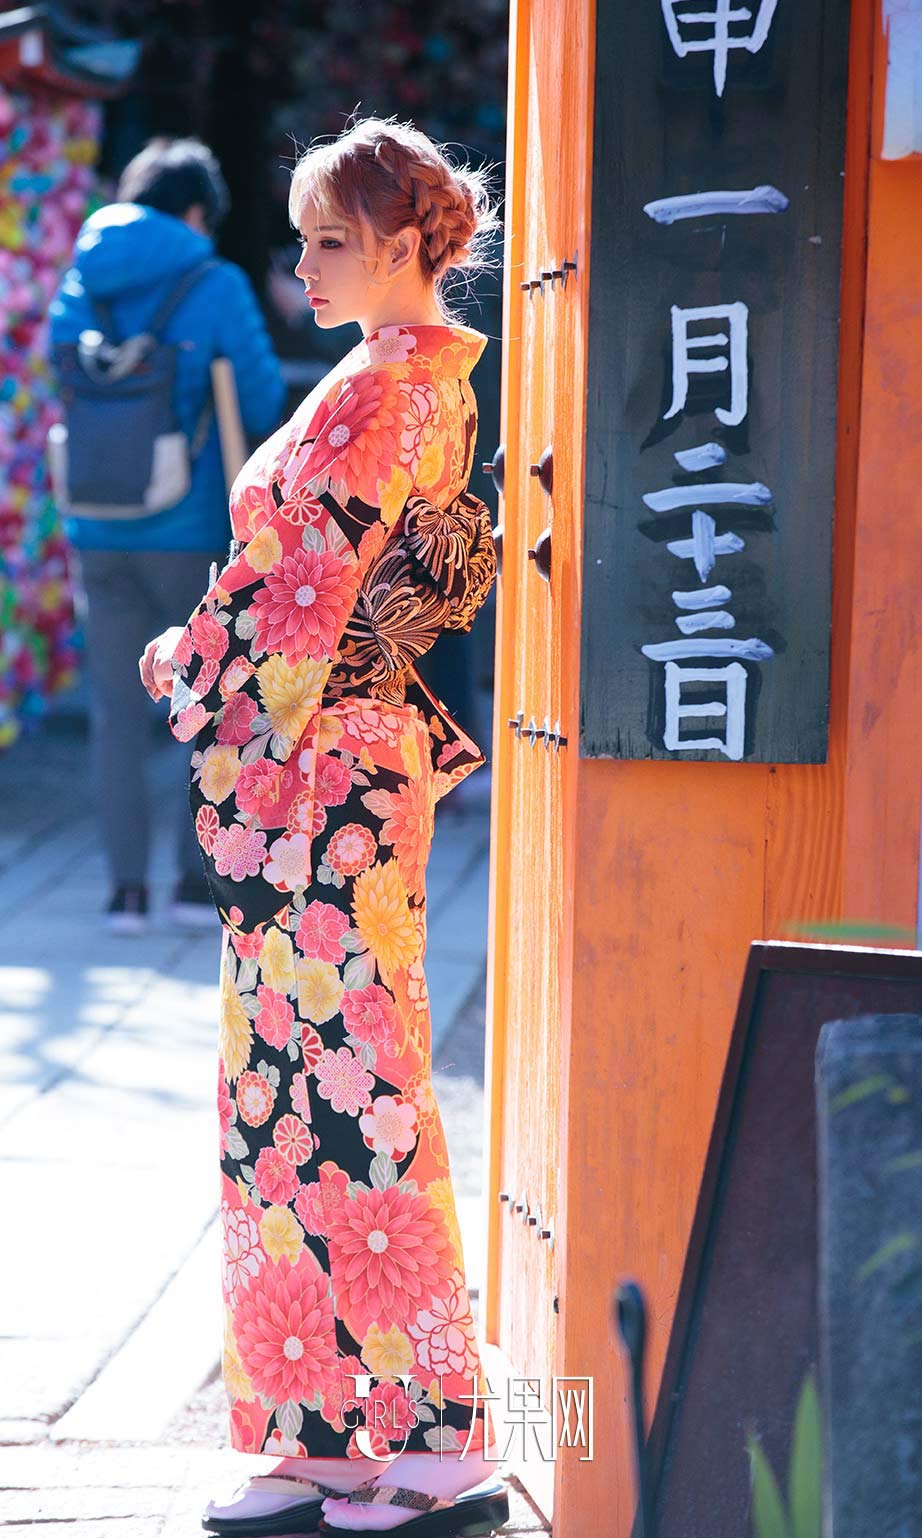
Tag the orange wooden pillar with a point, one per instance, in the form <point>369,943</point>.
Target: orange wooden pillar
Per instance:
<point>606,1044</point>
<point>883,761</point>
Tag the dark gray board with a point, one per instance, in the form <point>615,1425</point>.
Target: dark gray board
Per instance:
<point>661,131</point>
<point>746,1326</point>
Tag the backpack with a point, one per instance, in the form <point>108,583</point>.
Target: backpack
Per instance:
<point>120,451</point>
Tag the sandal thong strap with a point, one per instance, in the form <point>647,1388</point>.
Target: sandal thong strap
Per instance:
<point>396,1495</point>
<point>291,1484</point>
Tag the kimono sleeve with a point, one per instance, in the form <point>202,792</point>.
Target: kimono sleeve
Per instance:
<point>253,660</point>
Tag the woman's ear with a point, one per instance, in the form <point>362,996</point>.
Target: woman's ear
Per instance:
<point>404,249</point>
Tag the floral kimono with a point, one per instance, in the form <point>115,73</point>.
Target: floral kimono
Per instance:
<point>318,758</point>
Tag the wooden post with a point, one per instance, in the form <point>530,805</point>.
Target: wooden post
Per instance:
<point>670,870</point>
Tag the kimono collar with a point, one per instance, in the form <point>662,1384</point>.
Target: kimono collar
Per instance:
<point>449,351</point>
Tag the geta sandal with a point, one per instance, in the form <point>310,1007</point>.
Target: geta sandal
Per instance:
<point>480,1510</point>
<point>300,1516</point>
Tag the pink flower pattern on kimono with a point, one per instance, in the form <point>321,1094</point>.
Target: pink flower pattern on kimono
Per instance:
<point>293,1139</point>
<point>258,787</point>
<point>391,1411</point>
<point>334,781</point>
<point>390,1126</point>
<point>287,866</point>
<point>238,851</point>
<point>310,1209</point>
<point>275,1018</point>
<point>255,1099</point>
<point>276,1180</point>
<point>225,1106</point>
<point>285,1331</point>
<point>389,1251</point>
<point>189,721</point>
<point>320,932</point>
<point>444,1334</point>
<point>303,606</point>
<point>209,637</point>
<point>300,1099</point>
<point>371,1015</point>
<point>207,827</point>
<point>351,849</point>
<point>243,1254</point>
<point>343,1081</point>
<point>358,430</point>
<point>312,1048</point>
<point>237,720</point>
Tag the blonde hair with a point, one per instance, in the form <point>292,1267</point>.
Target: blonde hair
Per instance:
<point>389,175</point>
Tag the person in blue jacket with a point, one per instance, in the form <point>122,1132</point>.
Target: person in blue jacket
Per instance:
<point>141,575</point>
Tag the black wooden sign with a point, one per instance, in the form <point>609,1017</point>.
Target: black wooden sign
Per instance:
<point>713,327</point>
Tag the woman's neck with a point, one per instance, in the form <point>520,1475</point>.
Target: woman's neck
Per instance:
<point>414,312</point>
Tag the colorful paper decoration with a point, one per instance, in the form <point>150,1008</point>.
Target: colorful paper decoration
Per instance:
<point>46,185</point>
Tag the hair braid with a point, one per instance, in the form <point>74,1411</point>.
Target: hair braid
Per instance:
<point>393,175</point>
<point>444,212</point>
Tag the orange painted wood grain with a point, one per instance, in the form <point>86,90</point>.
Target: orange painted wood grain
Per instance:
<point>884,753</point>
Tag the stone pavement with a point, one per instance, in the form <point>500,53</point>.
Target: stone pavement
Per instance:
<point>111,1416</point>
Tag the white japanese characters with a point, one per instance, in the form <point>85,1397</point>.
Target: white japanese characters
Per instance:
<point>732,708</point>
<point>704,205</point>
<point>717,27</point>
<point>700,692</point>
<point>684,362</point>
<point>703,611</point>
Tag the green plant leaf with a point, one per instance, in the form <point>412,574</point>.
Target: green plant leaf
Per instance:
<point>247,975</point>
<point>860,1090</point>
<point>290,1418</point>
<point>850,931</point>
<point>769,1517</point>
<point>900,1244</point>
<point>382,1171</point>
<point>805,1479</point>
<point>359,971</point>
<point>906,1161</point>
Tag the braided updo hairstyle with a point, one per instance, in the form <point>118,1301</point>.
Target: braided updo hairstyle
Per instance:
<point>389,175</point>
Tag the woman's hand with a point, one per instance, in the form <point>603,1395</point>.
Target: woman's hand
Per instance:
<point>156,667</point>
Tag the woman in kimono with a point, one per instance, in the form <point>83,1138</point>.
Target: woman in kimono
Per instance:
<point>318,756</point>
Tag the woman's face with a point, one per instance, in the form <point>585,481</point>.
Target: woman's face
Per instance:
<point>341,276</point>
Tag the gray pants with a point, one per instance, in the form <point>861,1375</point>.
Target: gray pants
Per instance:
<point>130,597</point>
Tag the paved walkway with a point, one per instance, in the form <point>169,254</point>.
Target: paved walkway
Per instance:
<point>109,1292</point>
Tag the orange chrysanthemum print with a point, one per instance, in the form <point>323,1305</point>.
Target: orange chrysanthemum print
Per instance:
<point>351,849</point>
<point>408,814</point>
<point>254,1098</point>
<point>356,435</point>
<point>383,918</point>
